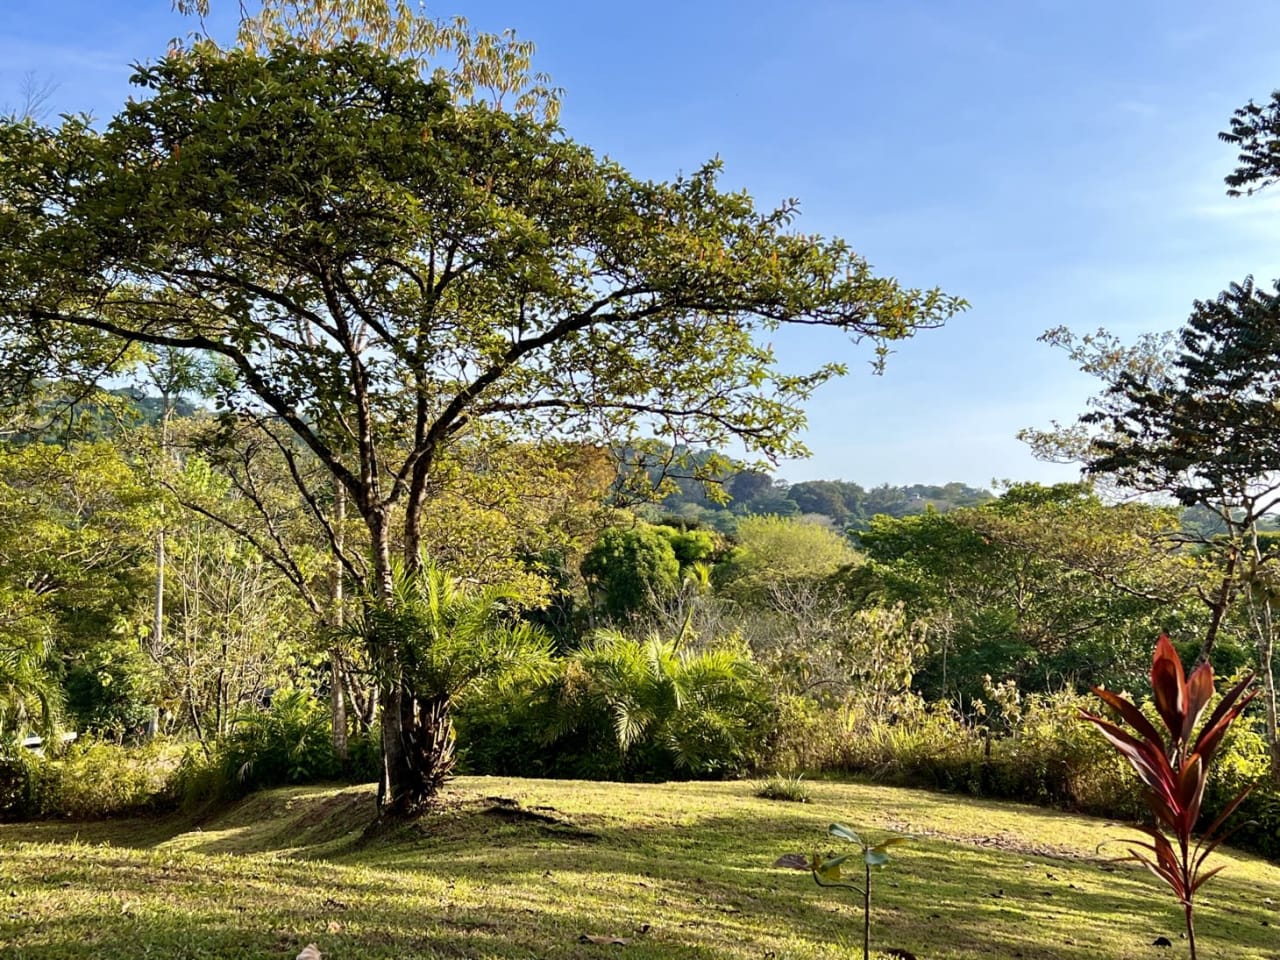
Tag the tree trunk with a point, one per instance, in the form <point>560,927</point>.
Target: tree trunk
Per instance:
<point>1218,607</point>
<point>1261,595</point>
<point>337,694</point>
<point>417,733</point>
<point>167,406</point>
<point>1266,660</point>
<point>397,780</point>
<point>426,751</point>
<point>338,706</point>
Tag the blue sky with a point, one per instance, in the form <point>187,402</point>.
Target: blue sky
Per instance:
<point>1052,162</point>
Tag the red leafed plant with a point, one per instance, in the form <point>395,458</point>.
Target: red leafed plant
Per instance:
<point>1174,771</point>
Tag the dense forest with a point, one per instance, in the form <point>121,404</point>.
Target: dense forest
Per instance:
<point>167,586</point>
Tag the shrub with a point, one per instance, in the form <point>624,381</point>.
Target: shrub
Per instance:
<point>622,708</point>
<point>1048,755</point>
<point>505,732</point>
<point>1035,748</point>
<point>111,693</point>
<point>364,757</point>
<point>909,742</point>
<point>789,789</point>
<point>1259,823</point>
<point>20,782</point>
<point>671,711</point>
<point>91,780</point>
<point>289,743</point>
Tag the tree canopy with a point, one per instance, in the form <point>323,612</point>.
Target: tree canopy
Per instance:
<point>375,272</point>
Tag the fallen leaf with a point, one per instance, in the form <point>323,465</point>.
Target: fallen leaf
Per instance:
<point>602,940</point>
<point>334,927</point>
<point>792,861</point>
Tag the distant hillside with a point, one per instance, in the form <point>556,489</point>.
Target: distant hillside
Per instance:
<point>848,505</point>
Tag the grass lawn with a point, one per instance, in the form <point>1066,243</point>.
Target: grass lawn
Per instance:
<point>525,868</point>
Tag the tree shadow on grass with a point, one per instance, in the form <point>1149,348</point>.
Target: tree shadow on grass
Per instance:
<point>472,881</point>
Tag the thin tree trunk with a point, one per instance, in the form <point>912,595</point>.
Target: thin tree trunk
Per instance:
<point>364,699</point>
<point>1261,596</point>
<point>337,694</point>
<point>220,694</point>
<point>1264,626</point>
<point>195,722</point>
<point>1218,608</point>
<point>157,614</point>
<point>1267,655</point>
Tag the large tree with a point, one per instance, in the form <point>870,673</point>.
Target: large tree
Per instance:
<point>1197,417</point>
<point>377,271</point>
<point>1048,585</point>
<point>1201,423</point>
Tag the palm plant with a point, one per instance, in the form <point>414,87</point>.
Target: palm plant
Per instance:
<point>452,636</point>
<point>30,697</point>
<point>702,707</point>
<point>289,743</point>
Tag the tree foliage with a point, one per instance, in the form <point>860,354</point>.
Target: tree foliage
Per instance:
<point>494,68</point>
<point>632,571</point>
<point>377,273</point>
<point>777,553</point>
<point>1044,584</point>
<point>1255,129</point>
<point>73,532</point>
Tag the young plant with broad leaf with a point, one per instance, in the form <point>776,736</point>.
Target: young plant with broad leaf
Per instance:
<point>1174,771</point>
<point>831,871</point>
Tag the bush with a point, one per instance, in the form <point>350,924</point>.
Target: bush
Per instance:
<point>20,782</point>
<point>289,743</point>
<point>364,757</point>
<point>624,709</point>
<point>789,789</point>
<point>909,742</point>
<point>1259,819</point>
<point>111,693</point>
<point>1036,750</point>
<point>1032,748</point>
<point>91,780</point>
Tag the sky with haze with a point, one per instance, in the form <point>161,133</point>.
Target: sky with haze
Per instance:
<point>1055,163</point>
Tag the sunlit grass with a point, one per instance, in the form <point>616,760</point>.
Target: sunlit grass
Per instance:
<point>681,870</point>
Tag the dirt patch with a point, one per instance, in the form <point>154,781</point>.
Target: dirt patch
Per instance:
<point>1006,842</point>
<point>504,808</point>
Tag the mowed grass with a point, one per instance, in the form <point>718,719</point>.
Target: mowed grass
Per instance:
<point>526,868</point>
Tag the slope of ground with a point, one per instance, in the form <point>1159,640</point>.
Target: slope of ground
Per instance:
<point>528,868</point>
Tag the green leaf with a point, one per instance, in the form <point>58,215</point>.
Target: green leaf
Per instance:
<point>874,858</point>
<point>844,833</point>
<point>829,869</point>
<point>891,842</point>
